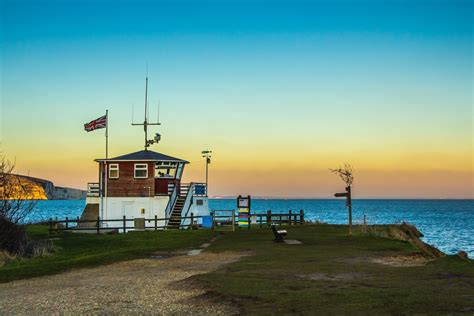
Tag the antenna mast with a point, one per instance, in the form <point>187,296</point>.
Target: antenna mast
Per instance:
<point>145,123</point>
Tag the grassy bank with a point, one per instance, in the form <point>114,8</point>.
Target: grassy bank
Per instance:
<point>87,250</point>
<point>332,272</point>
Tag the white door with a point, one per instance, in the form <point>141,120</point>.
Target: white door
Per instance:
<point>127,209</point>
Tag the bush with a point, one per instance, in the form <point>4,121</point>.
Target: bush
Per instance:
<point>15,241</point>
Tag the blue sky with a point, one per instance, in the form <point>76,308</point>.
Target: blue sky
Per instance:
<point>384,84</point>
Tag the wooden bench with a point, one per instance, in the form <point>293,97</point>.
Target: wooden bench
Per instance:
<point>279,234</point>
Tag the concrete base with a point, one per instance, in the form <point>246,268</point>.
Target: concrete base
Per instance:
<point>292,242</point>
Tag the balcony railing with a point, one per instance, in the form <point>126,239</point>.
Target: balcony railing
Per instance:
<point>93,189</point>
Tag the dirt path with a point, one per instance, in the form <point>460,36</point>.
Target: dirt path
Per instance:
<point>143,286</point>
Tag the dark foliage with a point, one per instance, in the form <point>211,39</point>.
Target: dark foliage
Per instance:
<point>13,238</point>
<point>13,211</point>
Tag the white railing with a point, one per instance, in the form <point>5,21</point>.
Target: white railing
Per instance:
<point>93,189</point>
<point>172,201</point>
<point>171,187</point>
<point>194,189</point>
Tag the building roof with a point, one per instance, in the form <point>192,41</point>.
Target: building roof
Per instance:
<point>144,155</point>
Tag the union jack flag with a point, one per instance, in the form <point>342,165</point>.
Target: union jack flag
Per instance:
<point>101,122</point>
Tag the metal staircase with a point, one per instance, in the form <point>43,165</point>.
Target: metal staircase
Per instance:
<point>175,215</point>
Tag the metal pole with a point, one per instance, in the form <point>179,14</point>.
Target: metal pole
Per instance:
<point>207,155</point>
<point>106,134</point>
<point>146,110</point>
<point>106,157</point>
<point>207,175</point>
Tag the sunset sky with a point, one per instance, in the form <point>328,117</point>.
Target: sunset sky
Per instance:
<point>279,90</point>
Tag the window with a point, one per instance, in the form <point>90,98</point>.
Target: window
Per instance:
<point>165,169</point>
<point>113,171</point>
<point>141,171</point>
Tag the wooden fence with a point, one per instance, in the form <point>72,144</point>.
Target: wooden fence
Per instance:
<point>124,224</point>
<point>259,219</point>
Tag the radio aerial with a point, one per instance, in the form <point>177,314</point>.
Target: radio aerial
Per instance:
<point>146,123</point>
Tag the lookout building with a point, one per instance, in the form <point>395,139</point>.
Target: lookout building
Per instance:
<point>145,184</point>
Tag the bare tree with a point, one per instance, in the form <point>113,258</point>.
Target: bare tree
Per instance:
<point>14,193</point>
<point>14,209</point>
<point>346,173</point>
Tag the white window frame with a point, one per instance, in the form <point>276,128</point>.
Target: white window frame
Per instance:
<point>113,167</point>
<point>135,170</point>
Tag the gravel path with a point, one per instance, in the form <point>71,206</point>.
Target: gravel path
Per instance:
<point>143,286</point>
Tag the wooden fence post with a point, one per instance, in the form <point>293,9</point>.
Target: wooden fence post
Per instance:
<point>98,225</point>
<point>249,220</point>
<point>233,221</point>
<point>301,216</point>
<point>192,220</point>
<point>289,217</point>
<point>212,219</point>
<point>269,217</point>
<point>156,222</point>
<point>51,226</point>
<point>365,223</point>
<point>124,224</point>
<point>67,223</point>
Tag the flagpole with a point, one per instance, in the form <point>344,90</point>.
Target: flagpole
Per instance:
<point>106,134</point>
<point>106,157</point>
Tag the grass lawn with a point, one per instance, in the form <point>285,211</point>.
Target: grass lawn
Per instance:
<point>86,250</point>
<point>332,272</point>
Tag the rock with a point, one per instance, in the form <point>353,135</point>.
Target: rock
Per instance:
<point>39,189</point>
<point>463,254</point>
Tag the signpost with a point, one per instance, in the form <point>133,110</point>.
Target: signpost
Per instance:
<point>243,205</point>
<point>348,197</point>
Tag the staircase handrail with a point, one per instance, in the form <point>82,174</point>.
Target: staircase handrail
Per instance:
<point>187,203</point>
<point>171,202</point>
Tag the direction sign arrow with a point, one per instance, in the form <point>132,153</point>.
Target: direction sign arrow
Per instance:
<point>341,194</point>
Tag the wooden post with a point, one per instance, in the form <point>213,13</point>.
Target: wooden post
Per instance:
<point>233,221</point>
<point>124,224</point>
<point>301,217</point>
<point>279,222</point>
<point>249,220</point>
<point>212,219</point>
<point>98,225</point>
<point>349,206</point>
<point>289,217</point>
<point>50,226</point>
<point>77,221</point>
<point>192,220</point>
<point>269,217</point>
<point>365,224</point>
<point>67,225</point>
<point>156,222</point>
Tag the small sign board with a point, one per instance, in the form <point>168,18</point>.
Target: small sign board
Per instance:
<point>243,202</point>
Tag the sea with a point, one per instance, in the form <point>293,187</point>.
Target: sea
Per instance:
<point>446,224</point>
